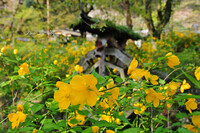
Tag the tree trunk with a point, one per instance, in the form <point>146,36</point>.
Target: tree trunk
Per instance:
<point>48,19</point>
<point>148,17</point>
<point>128,14</point>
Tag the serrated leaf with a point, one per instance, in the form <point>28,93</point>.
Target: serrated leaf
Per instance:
<point>132,130</point>
<point>36,107</point>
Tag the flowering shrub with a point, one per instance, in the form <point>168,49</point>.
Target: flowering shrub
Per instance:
<point>52,98</point>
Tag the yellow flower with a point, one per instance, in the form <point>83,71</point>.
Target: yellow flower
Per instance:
<point>114,91</point>
<point>110,131</point>
<point>114,70</point>
<point>55,62</point>
<point>172,87</point>
<point>79,69</point>
<point>15,51</point>
<point>195,120</point>
<point>107,118</point>
<point>34,131</point>
<point>173,60</point>
<point>191,104</point>
<point>20,108</point>
<point>184,86</point>
<point>141,106</point>
<point>16,118</point>
<point>192,128</point>
<point>132,66</point>
<point>84,90</point>
<point>137,74</point>
<point>62,96</point>
<point>117,121</point>
<point>153,78</point>
<point>79,118</point>
<point>104,104</point>
<point>23,69</point>
<point>45,50</point>
<point>197,73</point>
<point>121,113</point>
<point>95,129</point>
<point>3,49</point>
<point>154,97</point>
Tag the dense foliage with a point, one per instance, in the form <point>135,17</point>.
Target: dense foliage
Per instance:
<point>43,90</point>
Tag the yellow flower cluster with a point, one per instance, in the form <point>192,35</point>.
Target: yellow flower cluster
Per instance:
<point>79,69</point>
<point>137,73</point>
<point>134,72</point>
<point>23,69</point>
<point>18,117</point>
<point>153,96</point>
<point>141,106</point>
<point>81,90</point>
<point>171,88</point>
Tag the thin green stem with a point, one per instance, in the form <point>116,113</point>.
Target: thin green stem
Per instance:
<point>3,120</point>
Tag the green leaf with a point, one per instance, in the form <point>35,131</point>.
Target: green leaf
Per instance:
<point>177,124</point>
<point>87,130</point>
<point>181,115</point>
<point>184,130</point>
<point>184,96</point>
<point>77,129</point>
<point>148,64</point>
<point>62,123</point>
<point>84,112</point>
<point>192,79</point>
<point>24,129</point>
<point>159,129</point>
<point>36,107</point>
<point>118,79</point>
<point>100,79</point>
<point>35,79</point>
<point>132,130</point>
<point>50,126</point>
<point>162,81</point>
<point>4,83</point>
<point>104,123</point>
<point>9,60</point>
<point>196,113</point>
